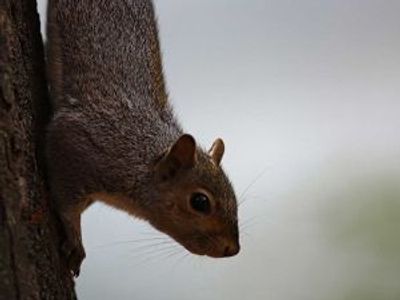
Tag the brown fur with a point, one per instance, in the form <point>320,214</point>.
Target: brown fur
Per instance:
<point>114,137</point>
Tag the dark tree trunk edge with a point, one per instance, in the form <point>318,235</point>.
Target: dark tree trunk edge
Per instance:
<point>31,266</point>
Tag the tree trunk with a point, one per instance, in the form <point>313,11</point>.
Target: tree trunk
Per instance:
<point>31,266</point>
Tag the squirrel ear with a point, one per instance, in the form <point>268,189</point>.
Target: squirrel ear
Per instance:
<point>182,155</point>
<point>217,151</point>
<point>183,151</point>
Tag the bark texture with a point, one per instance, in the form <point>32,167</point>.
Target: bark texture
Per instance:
<point>31,266</point>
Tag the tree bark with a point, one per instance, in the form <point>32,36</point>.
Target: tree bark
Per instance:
<point>31,266</point>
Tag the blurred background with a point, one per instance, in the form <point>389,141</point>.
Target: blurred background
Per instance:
<point>306,97</point>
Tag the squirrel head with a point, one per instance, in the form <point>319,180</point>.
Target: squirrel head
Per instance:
<point>194,201</point>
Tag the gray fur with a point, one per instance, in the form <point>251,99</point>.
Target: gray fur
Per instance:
<point>109,86</point>
<point>112,123</point>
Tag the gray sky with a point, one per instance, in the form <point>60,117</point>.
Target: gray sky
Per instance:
<point>304,92</point>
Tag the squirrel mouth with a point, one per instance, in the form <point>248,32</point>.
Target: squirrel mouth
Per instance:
<point>218,250</point>
<point>195,250</point>
<point>195,246</point>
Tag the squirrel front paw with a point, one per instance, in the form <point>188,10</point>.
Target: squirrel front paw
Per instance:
<point>74,254</point>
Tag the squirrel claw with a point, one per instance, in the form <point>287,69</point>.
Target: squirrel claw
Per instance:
<point>74,254</point>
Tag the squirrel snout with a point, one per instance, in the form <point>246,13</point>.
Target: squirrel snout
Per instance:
<point>231,249</point>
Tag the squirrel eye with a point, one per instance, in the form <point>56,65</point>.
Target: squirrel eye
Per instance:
<point>200,203</point>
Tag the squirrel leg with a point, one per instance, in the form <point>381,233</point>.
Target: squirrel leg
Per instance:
<point>72,246</point>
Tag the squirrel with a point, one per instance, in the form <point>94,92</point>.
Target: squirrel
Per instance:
<point>113,136</point>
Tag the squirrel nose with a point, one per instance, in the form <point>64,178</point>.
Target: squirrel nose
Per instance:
<point>231,249</point>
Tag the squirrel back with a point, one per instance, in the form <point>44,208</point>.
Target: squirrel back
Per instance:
<point>118,54</point>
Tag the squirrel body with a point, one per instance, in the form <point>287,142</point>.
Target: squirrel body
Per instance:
<point>114,137</point>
